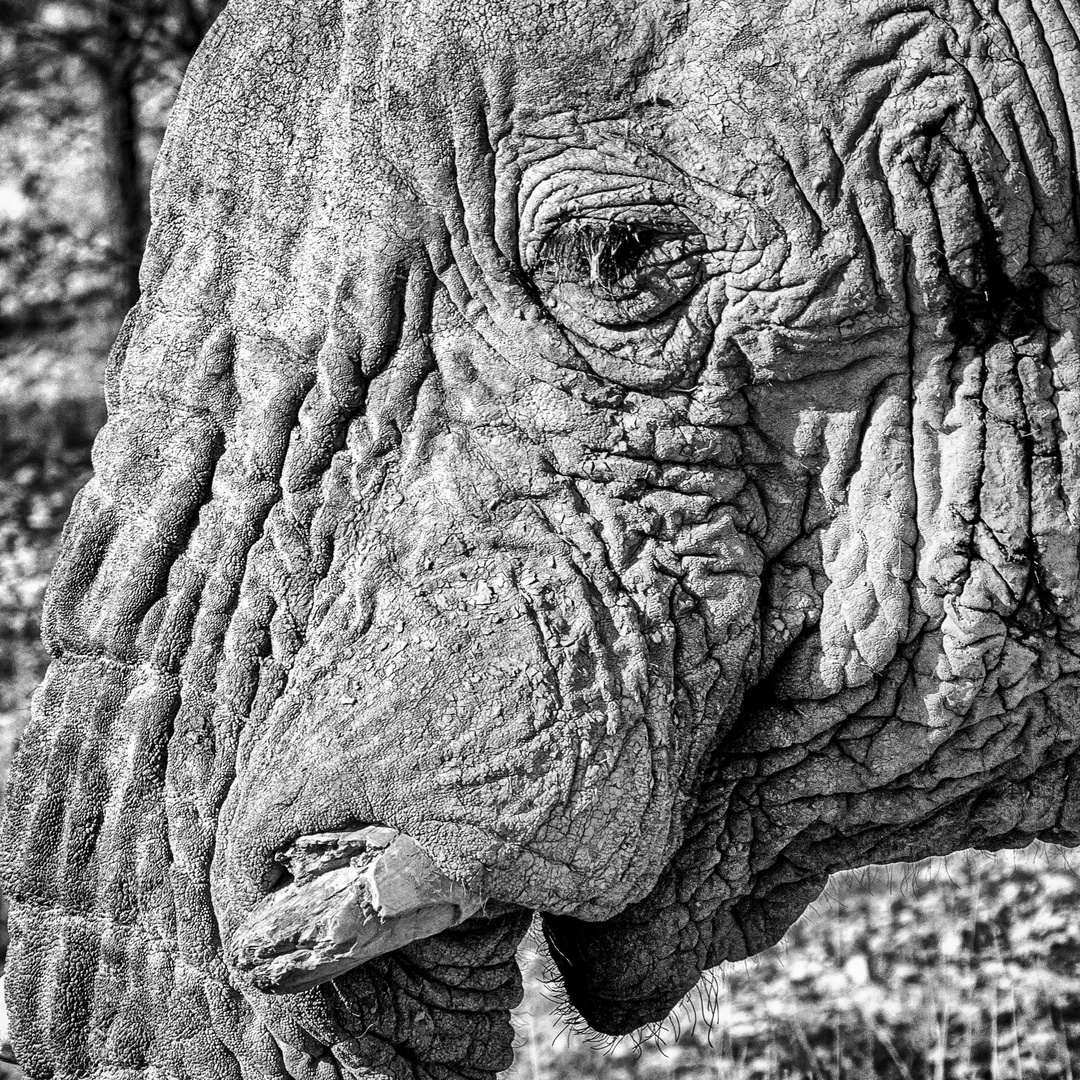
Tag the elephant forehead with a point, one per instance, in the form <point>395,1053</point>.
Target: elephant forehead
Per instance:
<point>548,54</point>
<point>556,55</point>
<point>794,63</point>
<point>747,39</point>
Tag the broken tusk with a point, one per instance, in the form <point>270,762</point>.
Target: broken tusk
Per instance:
<point>354,895</point>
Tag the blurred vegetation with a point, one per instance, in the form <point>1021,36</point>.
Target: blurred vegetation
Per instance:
<point>963,969</point>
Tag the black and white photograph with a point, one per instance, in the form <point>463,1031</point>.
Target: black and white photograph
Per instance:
<point>539,540</point>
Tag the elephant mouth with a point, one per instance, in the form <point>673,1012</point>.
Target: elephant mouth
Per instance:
<point>346,898</point>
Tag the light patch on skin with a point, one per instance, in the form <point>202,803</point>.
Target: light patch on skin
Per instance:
<point>13,203</point>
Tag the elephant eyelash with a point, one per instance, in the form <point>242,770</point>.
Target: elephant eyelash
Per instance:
<point>595,253</point>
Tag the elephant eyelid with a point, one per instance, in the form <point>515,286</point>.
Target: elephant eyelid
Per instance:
<point>600,253</point>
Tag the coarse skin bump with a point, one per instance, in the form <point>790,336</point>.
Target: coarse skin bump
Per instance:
<point>613,460</point>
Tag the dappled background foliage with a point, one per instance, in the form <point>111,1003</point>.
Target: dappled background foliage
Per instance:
<point>967,967</point>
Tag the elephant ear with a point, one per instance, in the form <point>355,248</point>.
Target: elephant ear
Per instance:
<point>278,299</point>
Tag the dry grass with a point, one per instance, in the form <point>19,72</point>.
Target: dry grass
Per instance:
<point>965,968</point>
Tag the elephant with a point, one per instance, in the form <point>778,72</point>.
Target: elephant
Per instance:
<point>610,460</point>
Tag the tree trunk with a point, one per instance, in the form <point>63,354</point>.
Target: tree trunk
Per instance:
<point>125,196</point>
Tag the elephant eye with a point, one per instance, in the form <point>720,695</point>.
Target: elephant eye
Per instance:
<point>615,274</point>
<point>598,253</point>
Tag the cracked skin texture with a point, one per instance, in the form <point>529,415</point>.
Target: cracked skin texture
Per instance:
<point>631,448</point>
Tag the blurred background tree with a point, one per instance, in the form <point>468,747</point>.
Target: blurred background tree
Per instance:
<point>98,77</point>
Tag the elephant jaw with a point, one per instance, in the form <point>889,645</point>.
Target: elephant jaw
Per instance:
<point>353,895</point>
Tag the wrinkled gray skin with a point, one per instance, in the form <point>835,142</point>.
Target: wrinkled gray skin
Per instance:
<point>632,448</point>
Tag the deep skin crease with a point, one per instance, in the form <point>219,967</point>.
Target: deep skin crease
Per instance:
<point>630,449</point>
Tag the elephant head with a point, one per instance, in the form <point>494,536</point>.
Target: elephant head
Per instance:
<point>618,460</point>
